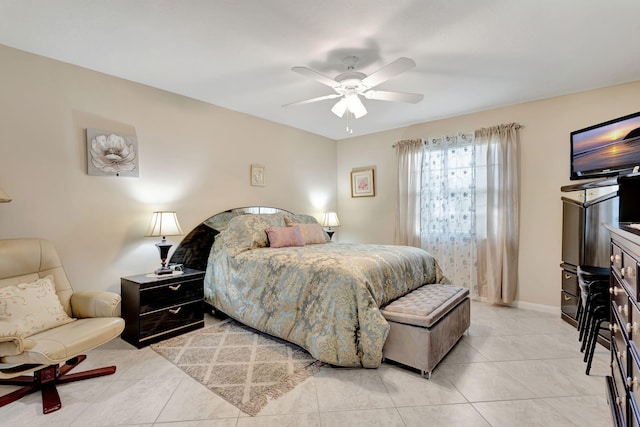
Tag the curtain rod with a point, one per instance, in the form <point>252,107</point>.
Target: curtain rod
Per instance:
<point>424,141</point>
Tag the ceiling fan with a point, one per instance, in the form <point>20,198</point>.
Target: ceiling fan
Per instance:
<point>350,85</point>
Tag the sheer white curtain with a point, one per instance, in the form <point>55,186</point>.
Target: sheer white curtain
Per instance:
<point>459,198</point>
<point>499,223</point>
<point>448,206</point>
<point>409,158</point>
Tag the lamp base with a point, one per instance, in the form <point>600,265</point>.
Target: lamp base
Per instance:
<point>330,233</point>
<point>163,247</point>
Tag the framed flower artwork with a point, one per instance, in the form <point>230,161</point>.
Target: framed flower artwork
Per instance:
<point>363,183</point>
<point>109,154</point>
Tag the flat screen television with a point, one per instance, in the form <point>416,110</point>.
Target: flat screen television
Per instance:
<point>606,149</point>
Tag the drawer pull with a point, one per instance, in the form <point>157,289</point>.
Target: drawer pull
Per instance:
<point>622,272</point>
<point>629,272</point>
<point>628,327</point>
<point>632,383</point>
<point>566,298</point>
<point>622,355</point>
<point>175,310</point>
<point>613,328</point>
<point>175,288</point>
<point>567,276</point>
<point>615,290</point>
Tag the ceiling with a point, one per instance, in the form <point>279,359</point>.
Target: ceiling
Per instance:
<point>238,54</point>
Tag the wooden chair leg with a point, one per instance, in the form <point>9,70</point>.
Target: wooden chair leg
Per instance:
<point>46,379</point>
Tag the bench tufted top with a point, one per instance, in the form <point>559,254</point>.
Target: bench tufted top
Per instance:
<point>424,306</point>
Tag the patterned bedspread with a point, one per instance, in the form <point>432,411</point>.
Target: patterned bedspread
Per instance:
<point>324,298</point>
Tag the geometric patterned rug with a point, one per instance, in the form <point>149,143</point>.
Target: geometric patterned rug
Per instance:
<point>241,365</point>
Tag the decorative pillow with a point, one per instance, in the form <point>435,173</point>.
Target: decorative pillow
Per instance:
<point>283,237</point>
<point>32,307</point>
<point>312,233</point>
<point>247,232</point>
<point>291,219</point>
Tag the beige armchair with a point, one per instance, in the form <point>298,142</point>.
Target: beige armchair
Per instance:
<point>42,337</point>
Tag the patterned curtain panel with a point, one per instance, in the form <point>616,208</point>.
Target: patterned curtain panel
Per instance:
<point>448,205</point>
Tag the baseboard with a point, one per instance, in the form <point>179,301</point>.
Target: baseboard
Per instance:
<point>526,305</point>
<point>537,307</point>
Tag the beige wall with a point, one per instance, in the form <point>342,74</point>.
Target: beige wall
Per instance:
<point>545,168</point>
<point>194,158</point>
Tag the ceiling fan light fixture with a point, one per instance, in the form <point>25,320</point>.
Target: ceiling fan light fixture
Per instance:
<point>350,84</point>
<point>355,105</point>
<point>340,108</point>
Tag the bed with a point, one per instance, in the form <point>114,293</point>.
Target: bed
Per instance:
<point>323,296</point>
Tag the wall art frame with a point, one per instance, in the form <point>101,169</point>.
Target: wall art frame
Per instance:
<point>363,183</point>
<point>110,154</point>
<point>257,175</point>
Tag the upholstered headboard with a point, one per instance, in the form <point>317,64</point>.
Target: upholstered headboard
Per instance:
<point>194,249</point>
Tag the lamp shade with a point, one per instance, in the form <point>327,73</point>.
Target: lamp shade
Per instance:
<point>164,223</point>
<point>4,198</point>
<point>330,219</point>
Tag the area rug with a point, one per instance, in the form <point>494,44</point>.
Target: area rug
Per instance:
<point>246,368</point>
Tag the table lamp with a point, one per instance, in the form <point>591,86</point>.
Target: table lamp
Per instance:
<point>330,219</point>
<point>3,197</point>
<point>164,224</point>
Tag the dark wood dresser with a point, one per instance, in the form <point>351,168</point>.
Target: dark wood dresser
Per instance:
<point>155,308</point>
<point>623,385</point>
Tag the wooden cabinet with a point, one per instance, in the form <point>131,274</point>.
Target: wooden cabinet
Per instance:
<point>624,381</point>
<point>585,242</point>
<point>155,308</point>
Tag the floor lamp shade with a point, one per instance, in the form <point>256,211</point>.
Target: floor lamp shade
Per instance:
<point>164,223</point>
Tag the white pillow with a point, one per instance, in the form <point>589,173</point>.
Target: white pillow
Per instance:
<point>32,307</point>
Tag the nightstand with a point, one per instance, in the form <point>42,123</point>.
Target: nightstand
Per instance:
<point>155,308</point>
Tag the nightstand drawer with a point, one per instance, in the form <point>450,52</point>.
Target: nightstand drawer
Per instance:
<point>159,297</point>
<point>167,319</point>
<point>155,308</point>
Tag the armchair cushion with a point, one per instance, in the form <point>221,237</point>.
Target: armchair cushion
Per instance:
<point>59,344</point>
<point>11,341</point>
<point>95,304</point>
<point>32,307</point>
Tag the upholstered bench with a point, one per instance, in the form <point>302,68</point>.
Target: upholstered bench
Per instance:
<point>425,324</point>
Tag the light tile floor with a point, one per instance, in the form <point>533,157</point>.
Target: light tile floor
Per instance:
<point>514,367</point>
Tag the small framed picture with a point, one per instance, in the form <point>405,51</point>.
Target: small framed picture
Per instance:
<point>362,183</point>
<point>257,175</point>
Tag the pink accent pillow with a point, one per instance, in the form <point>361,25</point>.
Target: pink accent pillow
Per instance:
<point>283,237</point>
<point>312,233</point>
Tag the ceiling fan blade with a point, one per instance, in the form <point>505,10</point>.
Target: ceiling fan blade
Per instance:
<point>309,101</point>
<point>392,69</point>
<point>313,74</point>
<point>383,95</point>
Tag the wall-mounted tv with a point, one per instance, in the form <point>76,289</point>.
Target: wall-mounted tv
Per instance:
<point>606,149</point>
